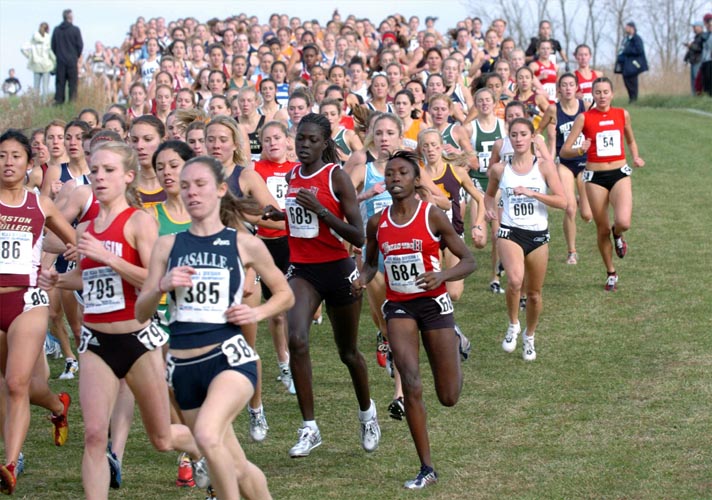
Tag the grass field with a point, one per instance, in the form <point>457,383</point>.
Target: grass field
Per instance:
<point>617,404</point>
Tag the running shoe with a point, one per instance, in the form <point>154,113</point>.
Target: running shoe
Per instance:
<point>286,377</point>
<point>60,423</point>
<point>258,425</point>
<point>71,366</point>
<point>381,349</point>
<point>371,432</point>
<point>396,410</point>
<point>211,494</point>
<point>500,269</point>
<point>611,283</point>
<point>510,338</point>
<point>318,320</point>
<point>522,303</point>
<point>7,479</point>
<point>308,440</point>
<point>185,472</point>
<point>52,349</point>
<point>425,477</point>
<point>465,345</point>
<point>201,475</point>
<point>528,351</point>
<point>114,468</point>
<point>619,244</point>
<point>572,258</point>
<point>20,466</point>
<point>389,363</point>
<point>495,287</point>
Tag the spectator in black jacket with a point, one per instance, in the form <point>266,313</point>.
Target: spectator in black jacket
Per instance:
<point>693,56</point>
<point>67,45</point>
<point>631,61</point>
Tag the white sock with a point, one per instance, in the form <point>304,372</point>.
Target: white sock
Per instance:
<point>365,416</point>
<point>311,424</point>
<point>254,410</point>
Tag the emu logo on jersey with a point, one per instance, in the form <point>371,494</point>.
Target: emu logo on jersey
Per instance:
<point>219,242</point>
<point>415,245</point>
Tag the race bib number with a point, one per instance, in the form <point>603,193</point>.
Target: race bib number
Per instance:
<point>152,337</point>
<point>170,368</point>
<point>15,252</point>
<point>102,290</point>
<point>445,303</point>
<point>84,339</point>
<point>238,351</point>
<point>608,143</point>
<point>521,207</point>
<point>626,170</point>
<point>484,159</point>
<point>402,271</point>
<point>587,175</point>
<point>207,300</point>
<point>588,100</point>
<point>35,297</point>
<point>278,188</point>
<point>303,223</point>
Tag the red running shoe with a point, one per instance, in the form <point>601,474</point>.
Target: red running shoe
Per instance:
<point>7,479</point>
<point>381,350</point>
<point>185,472</point>
<point>61,426</point>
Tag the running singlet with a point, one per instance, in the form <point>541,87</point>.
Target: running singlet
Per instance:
<point>447,136</point>
<point>152,198</point>
<point>482,142</point>
<point>21,234</point>
<point>66,175</point>
<point>377,203</point>
<point>310,240</point>
<point>546,73</point>
<point>606,133</point>
<point>410,136</point>
<point>340,140</point>
<point>522,211</point>
<point>585,86</point>
<point>275,176</point>
<point>449,184</point>
<point>166,225</point>
<point>255,144</point>
<point>107,297</point>
<point>564,123</point>
<point>89,211</point>
<point>197,314</point>
<point>409,250</point>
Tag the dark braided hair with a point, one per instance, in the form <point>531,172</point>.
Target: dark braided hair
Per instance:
<point>329,155</point>
<point>414,160</point>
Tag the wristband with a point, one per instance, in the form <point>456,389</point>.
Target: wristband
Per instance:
<point>477,227</point>
<point>322,213</point>
<point>580,151</point>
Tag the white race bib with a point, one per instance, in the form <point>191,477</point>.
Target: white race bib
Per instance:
<point>445,303</point>
<point>277,187</point>
<point>402,271</point>
<point>152,337</point>
<point>484,159</point>
<point>380,204</point>
<point>303,223</point>
<point>84,339</point>
<point>238,351</point>
<point>521,207</point>
<point>35,297</point>
<point>207,300</point>
<point>102,290</point>
<point>550,89</point>
<point>15,252</point>
<point>608,143</point>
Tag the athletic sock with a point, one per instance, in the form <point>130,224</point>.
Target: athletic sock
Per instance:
<point>365,416</point>
<point>311,424</point>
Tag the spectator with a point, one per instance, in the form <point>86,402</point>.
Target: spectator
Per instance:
<point>67,45</point>
<point>11,86</point>
<point>545,34</point>
<point>631,61</point>
<point>41,58</point>
<point>704,77</point>
<point>693,56</point>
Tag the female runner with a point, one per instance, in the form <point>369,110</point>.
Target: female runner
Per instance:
<point>114,344</point>
<point>584,74</point>
<point>607,175</point>
<point>146,135</point>
<point>409,234</point>
<point>211,367</point>
<point>412,123</point>
<point>23,307</point>
<point>523,235</point>
<point>346,140</point>
<point>557,122</point>
<point>321,204</point>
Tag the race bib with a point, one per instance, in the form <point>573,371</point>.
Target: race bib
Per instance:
<point>445,303</point>
<point>303,223</point>
<point>277,187</point>
<point>587,175</point>
<point>102,290</point>
<point>608,143</point>
<point>84,339</point>
<point>35,297</point>
<point>207,300</point>
<point>550,89</point>
<point>152,337</point>
<point>15,252</point>
<point>380,204</point>
<point>521,207</point>
<point>484,159</point>
<point>626,170</point>
<point>170,368</point>
<point>238,351</point>
<point>402,271</point>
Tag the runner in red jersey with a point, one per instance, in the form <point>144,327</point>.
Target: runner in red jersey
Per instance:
<point>24,308</point>
<point>321,209</point>
<point>607,175</point>
<point>545,70</point>
<point>115,247</point>
<point>408,233</point>
<point>584,74</point>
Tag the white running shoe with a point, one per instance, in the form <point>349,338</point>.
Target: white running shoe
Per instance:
<point>510,338</point>
<point>71,366</point>
<point>465,345</point>
<point>286,377</point>
<point>308,440</point>
<point>258,425</point>
<point>52,349</point>
<point>528,351</point>
<point>371,432</point>
<point>200,473</point>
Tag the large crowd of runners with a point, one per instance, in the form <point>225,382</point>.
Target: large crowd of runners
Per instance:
<point>244,173</point>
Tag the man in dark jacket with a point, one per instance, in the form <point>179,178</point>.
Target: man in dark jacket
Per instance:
<point>631,61</point>
<point>67,45</point>
<point>693,56</point>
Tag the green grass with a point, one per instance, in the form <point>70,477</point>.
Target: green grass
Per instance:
<point>702,103</point>
<point>616,405</point>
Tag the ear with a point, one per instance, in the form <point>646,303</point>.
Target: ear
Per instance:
<point>222,189</point>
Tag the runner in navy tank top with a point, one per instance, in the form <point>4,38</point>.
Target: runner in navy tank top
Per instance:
<point>408,233</point>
